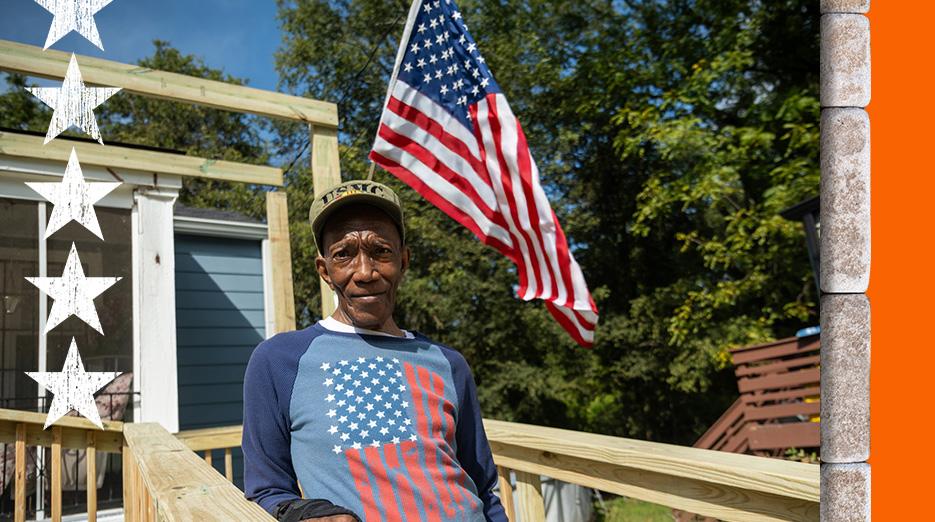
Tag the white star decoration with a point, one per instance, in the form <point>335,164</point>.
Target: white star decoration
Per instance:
<point>73,103</point>
<point>73,198</point>
<point>73,293</point>
<point>73,15</point>
<point>73,388</point>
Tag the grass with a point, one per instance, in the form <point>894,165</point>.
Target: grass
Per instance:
<point>629,510</point>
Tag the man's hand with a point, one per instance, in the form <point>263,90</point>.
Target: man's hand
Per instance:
<point>334,518</point>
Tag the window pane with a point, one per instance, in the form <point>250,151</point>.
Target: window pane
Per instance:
<point>112,351</point>
<point>19,305</point>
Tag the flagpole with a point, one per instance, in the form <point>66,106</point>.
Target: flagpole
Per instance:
<point>410,21</point>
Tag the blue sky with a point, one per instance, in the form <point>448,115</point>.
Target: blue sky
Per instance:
<point>238,36</point>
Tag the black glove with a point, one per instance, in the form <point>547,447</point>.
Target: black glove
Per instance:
<point>300,509</point>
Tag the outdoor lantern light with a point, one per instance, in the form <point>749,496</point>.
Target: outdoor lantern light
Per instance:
<point>809,213</point>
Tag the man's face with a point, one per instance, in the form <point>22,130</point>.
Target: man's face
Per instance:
<point>363,260</point>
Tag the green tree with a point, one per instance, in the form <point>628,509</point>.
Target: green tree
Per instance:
<point>669,136</point>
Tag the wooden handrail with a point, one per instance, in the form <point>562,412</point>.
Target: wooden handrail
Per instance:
<point>169,482</point>
<point>33,61</point>
<point>724,485</point>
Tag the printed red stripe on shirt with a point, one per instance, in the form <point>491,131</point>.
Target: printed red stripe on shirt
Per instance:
<point>359,473</point>
<point>448,409</point>
<point>448,464</point>
<point>425,489</point>
<point>431,462</point>
<point>406,494</point>
<point>383,484</point>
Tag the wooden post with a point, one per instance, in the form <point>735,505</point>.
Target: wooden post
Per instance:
<point>127,465</point>
<point>326,173</point>
<point>56,478</point>
<point>506,493</point>
<point>531,504</point>
<point>19,503</point>
<point>91,456</point>
<point>277,219</point>
<point>228,464</point>
<point>208,457</point>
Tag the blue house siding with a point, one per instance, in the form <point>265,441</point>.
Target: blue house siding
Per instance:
<point>219,320</point>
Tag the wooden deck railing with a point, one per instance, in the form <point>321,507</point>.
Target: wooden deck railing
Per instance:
<point>710,483</point>
<point>25,429</point>
<point>164,479</point>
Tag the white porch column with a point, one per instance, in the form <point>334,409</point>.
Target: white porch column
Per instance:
<point>154,351</point>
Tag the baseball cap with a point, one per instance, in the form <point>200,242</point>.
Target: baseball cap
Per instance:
<point>355,192</point>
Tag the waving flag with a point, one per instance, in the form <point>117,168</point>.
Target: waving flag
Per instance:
<point>448,132</point>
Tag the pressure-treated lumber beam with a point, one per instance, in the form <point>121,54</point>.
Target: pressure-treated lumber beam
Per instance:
<point>326,173</point>
<point>277,219</point>
<point>116,157</point>
<point>33,61</point>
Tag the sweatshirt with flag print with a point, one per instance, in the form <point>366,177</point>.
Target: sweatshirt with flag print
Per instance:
<point>388,427</point>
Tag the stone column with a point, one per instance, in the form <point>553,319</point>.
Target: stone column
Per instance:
<point>845,261</point>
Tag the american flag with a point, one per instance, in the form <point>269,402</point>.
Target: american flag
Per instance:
<point>448,132</point>
<point>368,402</point>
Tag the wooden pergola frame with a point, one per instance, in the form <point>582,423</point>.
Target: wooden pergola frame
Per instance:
<point>320,116</point>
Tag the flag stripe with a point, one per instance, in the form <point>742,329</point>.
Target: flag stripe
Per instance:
<point>488,232</point>
<point>431,461</point>
<point>438,164</point>
<point>359,472</point>
<point>400,110</point>
<point>383,484</point>
<point>447,464</point>
<point>411,458</point>
<point>431,180</point>
<point>448,416</point>
<point>406,494</point>
<point>517,156</point>
<point>412,97</point>
<point>528,287</point>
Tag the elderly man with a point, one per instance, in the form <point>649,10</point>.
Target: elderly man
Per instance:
<point>354,418</point>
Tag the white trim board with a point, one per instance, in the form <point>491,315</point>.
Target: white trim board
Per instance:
<point>218,228</point>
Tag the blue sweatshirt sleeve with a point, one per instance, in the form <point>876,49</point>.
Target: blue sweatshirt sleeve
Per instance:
<point>473,450</point>
<point>269,477</point>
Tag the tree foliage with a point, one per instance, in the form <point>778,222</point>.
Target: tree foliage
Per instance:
<point>669,136</point>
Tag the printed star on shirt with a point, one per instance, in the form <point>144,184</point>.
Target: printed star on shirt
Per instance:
<point>73,293</point>
<point>345,436</point>
<point>330,397</point>
<point>412,437</point>
<point>332,430</point>
<point>375,444</point>
<point>355,445</point>
<point>73,198</point>
<point>73,15</point>
<point>73,103</point>
<point>73,388</point>
<point>342,419</point>
<point>325,366</point>
<point>336,449</point>
<point>332,413</point>
<point>395,440</point>
<point>384,430</point>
